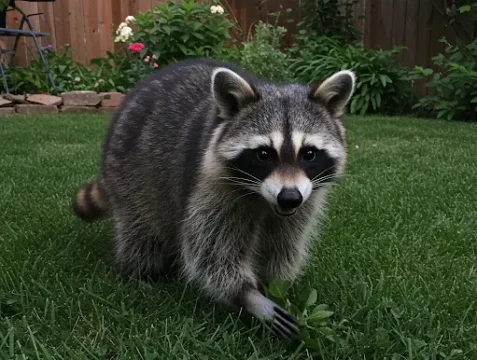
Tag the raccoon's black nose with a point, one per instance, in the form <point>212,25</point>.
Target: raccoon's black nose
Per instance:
<point>289,198</point>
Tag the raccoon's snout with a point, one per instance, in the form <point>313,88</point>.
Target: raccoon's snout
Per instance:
<point>289,198</point>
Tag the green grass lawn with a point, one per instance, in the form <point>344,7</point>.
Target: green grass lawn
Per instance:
<point>397,261</point>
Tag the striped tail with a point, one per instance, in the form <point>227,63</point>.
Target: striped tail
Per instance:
<point>90,202</point>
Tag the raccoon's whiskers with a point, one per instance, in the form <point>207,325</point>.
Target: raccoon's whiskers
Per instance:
<point>243,172</point>
<point>241,196</point>
<point>321,173</point>
<point>324,178</point>
<point>239,180</point>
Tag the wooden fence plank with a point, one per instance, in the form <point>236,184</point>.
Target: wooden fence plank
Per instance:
<point>145,5</point>
<point>77,29</point>
<point>410,32</point>
<point>386,24</point>
<point>106,26</point>
<point>399,25</point>
<point>92,38</point>
<point>47,22</point>
<point>62,23</point>
<point>423,41</point>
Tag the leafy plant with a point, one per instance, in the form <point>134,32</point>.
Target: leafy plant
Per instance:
<point>176,30</point>
<point>67,74</point>
<point>116,72</point>
<point>329,18</point>
<point>262,55</point>
<point>314,319</point>
<point>455,87</point>
<point>4,4</point>
<point>461,15</point>
<point>382,83</point>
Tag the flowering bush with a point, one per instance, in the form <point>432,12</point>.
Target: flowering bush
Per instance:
<point>173,31</point>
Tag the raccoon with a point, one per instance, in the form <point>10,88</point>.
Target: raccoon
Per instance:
<point>210,170</point>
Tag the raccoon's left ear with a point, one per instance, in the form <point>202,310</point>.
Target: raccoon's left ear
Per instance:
<point>335,92</point>
<point>231,92</point>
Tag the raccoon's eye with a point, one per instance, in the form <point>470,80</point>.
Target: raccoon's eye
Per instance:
<point>309,155</point>
<point>262,155</point>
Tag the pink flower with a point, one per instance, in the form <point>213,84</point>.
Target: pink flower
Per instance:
<point>147,59</point>
<point>156,65</point>
<point>136,47</point>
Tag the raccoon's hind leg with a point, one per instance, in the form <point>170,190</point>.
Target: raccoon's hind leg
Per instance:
<point>139,251</point>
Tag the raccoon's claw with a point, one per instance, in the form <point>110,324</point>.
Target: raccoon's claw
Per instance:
<point>284,324</point>
<point>272,315</point>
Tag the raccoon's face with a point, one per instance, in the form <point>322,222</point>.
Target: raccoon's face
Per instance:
<point>281,142</point>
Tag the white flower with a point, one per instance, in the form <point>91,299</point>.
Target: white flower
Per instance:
<point>77,79</point>
<point>120,27</point>
<point>130,19</point>
<point>216,9</point>
<point>126,31</point>
<point>124,34</point>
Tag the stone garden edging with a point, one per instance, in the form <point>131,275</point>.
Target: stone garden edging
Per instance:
<point>70,102</point>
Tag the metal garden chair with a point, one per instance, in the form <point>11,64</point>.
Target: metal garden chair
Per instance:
<point>30,31</point>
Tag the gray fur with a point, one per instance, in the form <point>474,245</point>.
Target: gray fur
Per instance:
<point>174,199</point>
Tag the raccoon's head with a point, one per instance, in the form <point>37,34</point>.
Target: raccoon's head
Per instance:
<point>281,142</point>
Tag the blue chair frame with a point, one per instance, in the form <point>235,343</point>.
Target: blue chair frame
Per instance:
<point>25,19</point>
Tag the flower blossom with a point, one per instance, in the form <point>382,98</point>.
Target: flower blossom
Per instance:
<point>136,47</point>
<point>216,9</point>
<point>130,19</point>
<point>124,32</point>
<point>147,59</point>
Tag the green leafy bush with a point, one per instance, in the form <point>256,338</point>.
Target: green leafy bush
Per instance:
<point>115,72</point>
<point>329,18</point>
<point>382,83</point>
<point>176,30</point>
<point>67,74</point>
<point>455,86</point>
<point>262,54</point>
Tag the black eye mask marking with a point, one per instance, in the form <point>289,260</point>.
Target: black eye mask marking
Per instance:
<point>255,164</point>
<point>318,165</point>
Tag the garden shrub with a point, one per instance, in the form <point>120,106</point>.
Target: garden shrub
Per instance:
<point>382,83</point>
<point>332,18</point>
<point>177,30</point>
<point>66,73</point>
<point>455,86</point>
<point>262,54</point>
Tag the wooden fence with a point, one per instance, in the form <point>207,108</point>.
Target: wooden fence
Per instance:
<point>88,25</point>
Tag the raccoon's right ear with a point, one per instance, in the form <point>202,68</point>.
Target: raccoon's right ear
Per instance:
<point>231,92</point>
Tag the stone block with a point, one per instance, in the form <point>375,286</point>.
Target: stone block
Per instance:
<point>5,102</point>
<point>44,99</point>
<point>30,109</point>
<point>81,98</point>
<point>7,111</point>
<point>106,110</point>
<point>78,110</point>
<point>111,99</point>
<point>16,99</point>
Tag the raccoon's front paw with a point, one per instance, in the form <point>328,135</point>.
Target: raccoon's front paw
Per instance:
<point>281,322</point>
<point>284,324</point>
